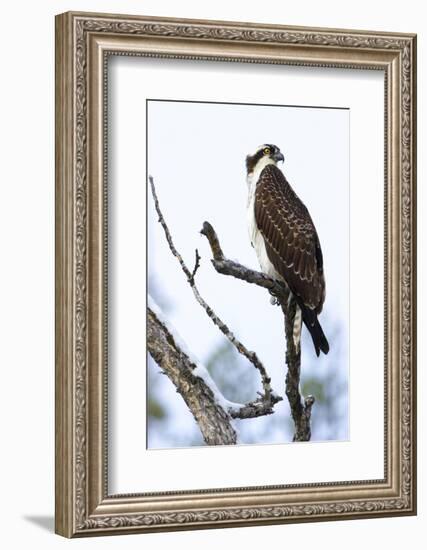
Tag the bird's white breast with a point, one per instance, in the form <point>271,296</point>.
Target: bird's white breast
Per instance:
<point>255,235</point>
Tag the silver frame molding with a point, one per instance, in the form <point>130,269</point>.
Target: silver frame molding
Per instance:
<point>83,43</point>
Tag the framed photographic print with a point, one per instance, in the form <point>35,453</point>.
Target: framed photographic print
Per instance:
<point>235,274</point>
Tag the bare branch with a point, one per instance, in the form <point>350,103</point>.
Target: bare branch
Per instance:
<point>300,408</point>
<point>196,265</point>
<point>209,232</point>
<point>239,271</point>
<point>213,420</point>
<point>168,235</point>
<point>263,405</point>
<point>253,409</point>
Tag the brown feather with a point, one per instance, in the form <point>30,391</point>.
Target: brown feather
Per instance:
<point>290,237</point>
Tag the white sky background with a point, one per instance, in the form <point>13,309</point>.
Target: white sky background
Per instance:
<point>196,154</point>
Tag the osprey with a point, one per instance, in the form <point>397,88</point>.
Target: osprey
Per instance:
<point>285,240</point>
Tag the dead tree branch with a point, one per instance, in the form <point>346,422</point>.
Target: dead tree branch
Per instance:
<point>300,408</point>
<point>214,422</point>
<point>264,404</point>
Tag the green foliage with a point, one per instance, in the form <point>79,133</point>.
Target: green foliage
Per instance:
<point>314,386</point>
<point>155,409</point>
<point>235,377</point>
<point>327,381</point>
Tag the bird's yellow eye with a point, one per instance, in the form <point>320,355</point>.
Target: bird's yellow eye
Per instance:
<point>267,151</point>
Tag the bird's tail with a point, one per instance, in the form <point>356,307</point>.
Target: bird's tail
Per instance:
<point>311,321</point>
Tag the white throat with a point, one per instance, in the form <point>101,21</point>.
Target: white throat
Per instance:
<point>255,236</point>
<point>253,177</point>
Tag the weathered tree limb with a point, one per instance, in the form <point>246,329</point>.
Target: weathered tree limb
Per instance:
<point>264,404</point>
<point>214,422</point>
<point>229,267</point>
<point>167,354</point>
<point>300,408</point>
<point>253,409</point>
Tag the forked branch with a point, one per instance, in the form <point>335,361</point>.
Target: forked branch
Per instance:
<point>214,422</point>
<point>300,408</point>
<point>264,404</point>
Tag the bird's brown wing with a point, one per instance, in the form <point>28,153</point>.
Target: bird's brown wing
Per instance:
<point>291,240</point>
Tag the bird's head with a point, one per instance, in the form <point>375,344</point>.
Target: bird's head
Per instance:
<point>266,154</point>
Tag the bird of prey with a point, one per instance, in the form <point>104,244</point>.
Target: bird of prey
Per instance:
<point>285,240</point>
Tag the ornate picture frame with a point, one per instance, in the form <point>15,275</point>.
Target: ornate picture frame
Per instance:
<point>84,42</point>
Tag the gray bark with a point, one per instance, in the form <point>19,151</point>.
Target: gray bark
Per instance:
<point>214,422</point>
<point>300,407</point>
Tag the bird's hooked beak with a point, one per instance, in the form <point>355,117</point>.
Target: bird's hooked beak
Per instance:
<point>278,156</point>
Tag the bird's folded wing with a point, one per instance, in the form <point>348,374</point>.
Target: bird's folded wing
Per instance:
<point>290,237</point>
